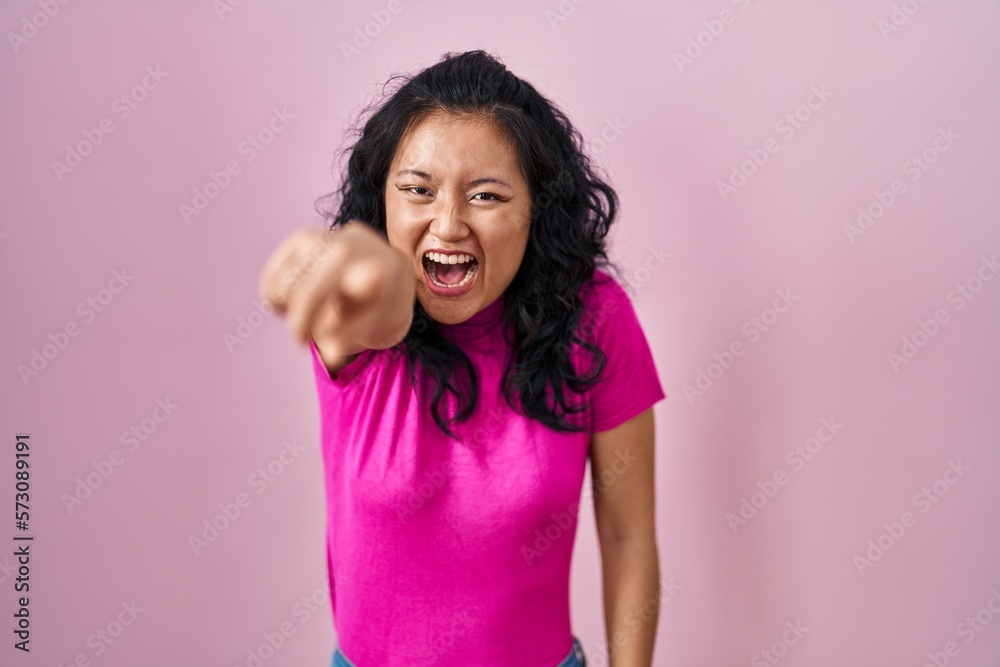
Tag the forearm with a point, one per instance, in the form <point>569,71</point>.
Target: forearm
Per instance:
<point>631,601</point>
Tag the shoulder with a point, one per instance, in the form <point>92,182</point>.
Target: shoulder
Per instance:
<point>603,298</point>
<point>353,371</point>
<point>628,379</point>
<point>603,286</point>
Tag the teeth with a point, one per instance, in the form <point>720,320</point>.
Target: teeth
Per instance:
<point>449,259</point>
<point>469,274</point>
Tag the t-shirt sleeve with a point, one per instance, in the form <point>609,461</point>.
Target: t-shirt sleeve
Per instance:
<point>630,383</point>
<point>343,378</point>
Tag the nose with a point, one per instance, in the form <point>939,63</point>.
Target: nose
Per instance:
<point>448,223</point>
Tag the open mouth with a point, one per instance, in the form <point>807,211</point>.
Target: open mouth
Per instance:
<point>450,271</point>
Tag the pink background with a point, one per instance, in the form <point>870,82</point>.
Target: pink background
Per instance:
<point>670,135</point>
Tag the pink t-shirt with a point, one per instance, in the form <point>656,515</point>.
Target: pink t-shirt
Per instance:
<point>458,553</point>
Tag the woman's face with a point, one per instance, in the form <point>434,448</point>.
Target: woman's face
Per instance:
<point>455,185</point>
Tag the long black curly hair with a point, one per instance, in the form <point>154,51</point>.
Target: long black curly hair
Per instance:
<point>571,212</point>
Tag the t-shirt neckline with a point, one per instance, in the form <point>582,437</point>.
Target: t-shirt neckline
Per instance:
<point>483,323</point>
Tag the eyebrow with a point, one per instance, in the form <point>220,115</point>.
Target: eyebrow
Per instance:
<point>471,184</point>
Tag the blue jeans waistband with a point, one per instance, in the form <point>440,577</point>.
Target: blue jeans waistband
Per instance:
<point>575,658</point>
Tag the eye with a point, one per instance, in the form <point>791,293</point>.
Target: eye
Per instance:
<point>488,194</point>
<point>415,187</point>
